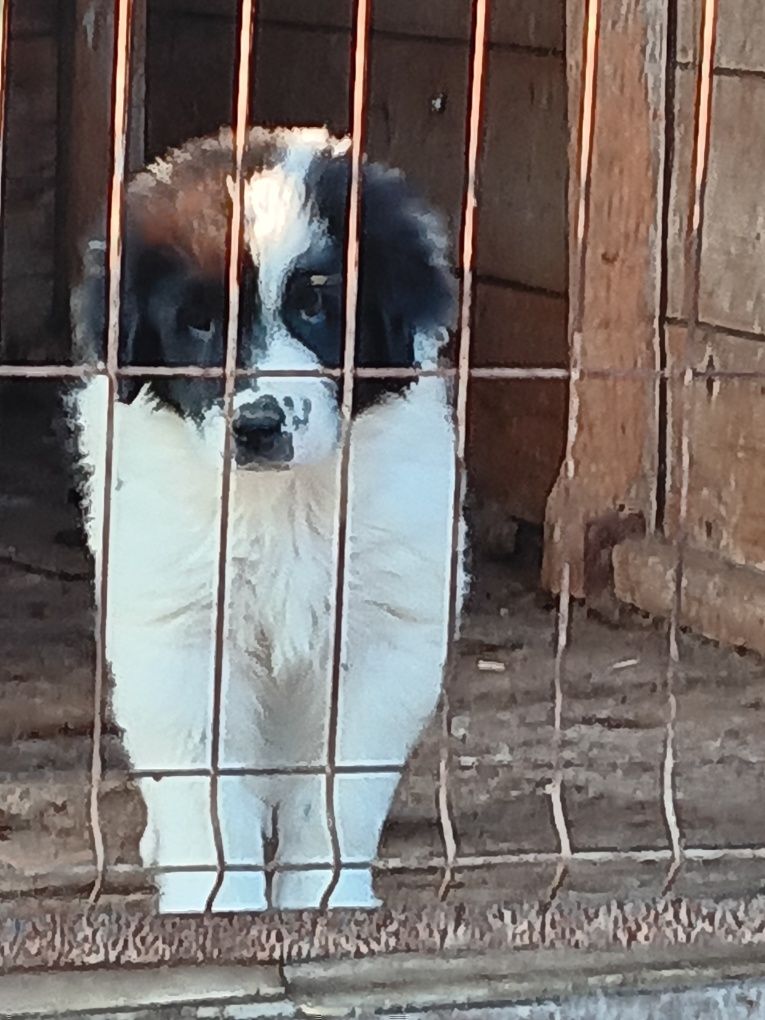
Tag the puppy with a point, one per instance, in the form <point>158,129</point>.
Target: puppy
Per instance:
<point>281,556</point>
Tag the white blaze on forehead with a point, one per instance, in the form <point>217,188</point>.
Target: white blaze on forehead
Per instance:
<point>279,224</point>
<point>277,227</point>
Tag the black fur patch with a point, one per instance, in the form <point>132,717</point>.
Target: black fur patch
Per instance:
<point>403,288</point>
<point>173,314</point>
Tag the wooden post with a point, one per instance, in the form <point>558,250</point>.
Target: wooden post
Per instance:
<point>615,438</point>
<point>89,149</point>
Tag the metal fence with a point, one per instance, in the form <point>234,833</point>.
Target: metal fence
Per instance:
<point>450,861</point>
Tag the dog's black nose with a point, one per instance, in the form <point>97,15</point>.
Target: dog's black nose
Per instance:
<point>259,432</point>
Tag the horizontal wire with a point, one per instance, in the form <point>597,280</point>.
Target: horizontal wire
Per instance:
<point>286,770</point>
<point>498,372</point>
<point>464,862</point>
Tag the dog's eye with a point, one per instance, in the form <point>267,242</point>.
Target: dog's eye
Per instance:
<point>307,299</point>
<point>194,316</point>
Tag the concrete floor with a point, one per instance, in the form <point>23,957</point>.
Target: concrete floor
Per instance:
<point>731,1001</point>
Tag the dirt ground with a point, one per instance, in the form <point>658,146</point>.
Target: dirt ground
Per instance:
<point>501,730</point>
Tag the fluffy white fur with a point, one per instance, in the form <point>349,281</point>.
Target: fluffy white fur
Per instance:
<point>280,606</point>
<point>162,582</point>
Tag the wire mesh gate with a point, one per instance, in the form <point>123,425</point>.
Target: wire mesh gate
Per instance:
<point>96,937</point>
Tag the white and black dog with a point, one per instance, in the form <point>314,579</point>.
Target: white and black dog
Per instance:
<point>166,501</point>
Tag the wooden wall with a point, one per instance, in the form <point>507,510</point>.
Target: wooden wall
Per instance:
<point>724,593</point>
<point>29,234</point>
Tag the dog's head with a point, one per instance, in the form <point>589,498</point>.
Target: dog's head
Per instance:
<point>292,287</point>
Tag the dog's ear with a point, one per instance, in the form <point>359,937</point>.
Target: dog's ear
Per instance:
<point>406,287</point>
<point>143,268</point>
<point>405,284</point>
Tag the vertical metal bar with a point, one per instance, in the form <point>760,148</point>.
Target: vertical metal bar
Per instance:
<point>479,46</point>
<point>662,384</point>
<point>693,238</point>
<point>5,25</point>
<point>358,135</point>
<point>120,101</point>
<point>586,134</point>
<point>242,107</point>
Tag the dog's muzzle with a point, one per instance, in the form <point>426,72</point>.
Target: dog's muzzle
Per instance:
<point>259,434</point>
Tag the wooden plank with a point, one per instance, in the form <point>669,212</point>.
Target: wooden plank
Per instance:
<point>523,175</point>
<point>183,105</point>
<point>417,99</point>
<point>526,23</point>
<point>725,512</point>
<point>27,303</point>
<point>89,157</point>
<point>311,90</point>
<point>33,17</point>
<point>537,23</point>
<point>516,442</point>
<point>615,442</point>
<point>733,258</point>
<point>680,189</point>
<point>740,33</point>
<point>721,601</point>
<point>326,13</point>
<point>515,327</point>
<point>31,108</point>
<point>29,228</point>
<point>449,19</point>
<point>517,430</point>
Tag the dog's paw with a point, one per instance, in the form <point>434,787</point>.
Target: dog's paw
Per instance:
<point>241,892</point>
<point>354,890</point>
<point>305,890</point>
<point>188,892</point>
<point>184,892</point>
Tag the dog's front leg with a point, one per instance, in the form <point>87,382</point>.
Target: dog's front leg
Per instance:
<point>162,700</point>
<point>387,693</point>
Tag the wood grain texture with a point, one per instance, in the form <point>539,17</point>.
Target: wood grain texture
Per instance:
<point>406,129</point>
<point>309,89</point>
<point>538,23</point>
<point>29,200</point>
<point>516,441</point>
<point>721,601</point>
<point>89,170</point>
<point>615,444</point>
<point>530,23</point>
<point>733,256</point>
<point>33,17</point>
<point>31,107</point>
<point>740,33</point>
<point>725,512</point>
<point>523,171</point>
<point>519,328</point>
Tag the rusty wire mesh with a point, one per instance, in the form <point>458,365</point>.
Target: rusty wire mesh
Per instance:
<point>451,861</point>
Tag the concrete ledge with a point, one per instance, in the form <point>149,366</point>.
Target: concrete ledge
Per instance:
<point>98,991</point>
<point>398,983</point>
<point>721,600</point>
<point>414,983</point>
